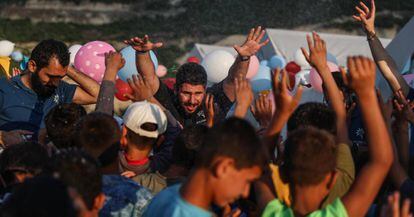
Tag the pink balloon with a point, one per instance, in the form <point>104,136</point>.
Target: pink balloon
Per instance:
<point>316,81</point>
<point>161,71</point>
<point>90,59</point>
<point>253,67</point>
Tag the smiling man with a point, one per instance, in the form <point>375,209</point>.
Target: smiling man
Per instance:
<point>186,101</point>
<point>26,99</point>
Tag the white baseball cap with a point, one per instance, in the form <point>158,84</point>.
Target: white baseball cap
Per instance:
<point>143,112</point>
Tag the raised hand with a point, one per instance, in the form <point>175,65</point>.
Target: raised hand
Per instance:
<point>114,60</point>
<point>392,209</point>
<point>366,16</point>
<point>361,76</point>
<point>404,107</point>
<point>252,44</point>
<point>244,96</point>
<point>142,44</point>
<point>285,103</point>
<point>140,88</point>
<point>209,109</point>
<point>262,110</point>
<point>317,50</point>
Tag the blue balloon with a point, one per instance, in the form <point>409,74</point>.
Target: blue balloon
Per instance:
<point>23,63</point>
<point>264,63</point>
<point>130,68</point>
<point>262,80</point>
<point>277,62</point>
<point>331,58</point>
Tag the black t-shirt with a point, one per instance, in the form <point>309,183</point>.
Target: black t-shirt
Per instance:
<point>169,100</point>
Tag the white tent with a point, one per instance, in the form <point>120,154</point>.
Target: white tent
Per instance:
<point>401,49</point>
<point>287,42</point>
<point>201,50</point>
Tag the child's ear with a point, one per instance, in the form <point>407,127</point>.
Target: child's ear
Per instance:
<point>222,167</point>
<point>332,179</point>
<point>99,202</point>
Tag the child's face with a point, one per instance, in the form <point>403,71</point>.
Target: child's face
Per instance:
<point>233,184</point>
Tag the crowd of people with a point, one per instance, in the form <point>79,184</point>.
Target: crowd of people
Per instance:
<point>175,153</point>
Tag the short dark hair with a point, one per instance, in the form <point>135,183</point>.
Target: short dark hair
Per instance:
<point>346,91</point>
<point>27,157</point>
<point>187,145</point>
<point>313,114</point>
<point>234,138</point>
<point>191,73</point>
<point>41,196</point>
<point>96,132</point>
<point>78,170</point>
<point>61,121</point>
<point>48,49</point>
<point>310,154</point>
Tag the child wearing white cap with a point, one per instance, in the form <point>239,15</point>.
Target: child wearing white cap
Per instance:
<point>144,122</point>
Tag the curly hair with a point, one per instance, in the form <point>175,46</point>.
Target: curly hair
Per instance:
<point>191,73</point>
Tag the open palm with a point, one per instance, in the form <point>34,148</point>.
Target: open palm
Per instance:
<point>252,44</point>
<point>142,44</point>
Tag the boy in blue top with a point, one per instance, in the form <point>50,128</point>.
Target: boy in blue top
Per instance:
<point>232,158</point>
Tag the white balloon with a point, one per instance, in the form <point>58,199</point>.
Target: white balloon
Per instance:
<point>301,60</point>
<point>6,48</point>
<point>73,50</point>
<point>17,56</point>
<point>217,65</point>
<point>302,77</point>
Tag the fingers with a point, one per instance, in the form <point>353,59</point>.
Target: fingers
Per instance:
<point>305,53</point>
<point>398,106</point>
<point>373,7</point>
<point>364,7</point>
<point>262,33</point>
<point>395,203</point>
<point>275,80</point>
<point>344,75</point>
<point>264,43</point>
<point>23,132</point>
<point>357,18</point>
<point>405,210</point>
<point>298,95</point>
<point>251,34</point>
<point>257,33</point>
<point>129,96</point>
<point>284,87</point>
<point>351,65</point>
<point>310,44</point>
<point>360,11</point>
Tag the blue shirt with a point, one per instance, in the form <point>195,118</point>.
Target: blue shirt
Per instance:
<point>22,108</point>
<point>169,203</point>
<point>124,197</point>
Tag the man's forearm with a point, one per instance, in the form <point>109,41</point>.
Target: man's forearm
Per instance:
<point>146,68</point>
<point>105,101</point>
<point>87,84</point>
<point>387,66</point>
<point>239,68</point>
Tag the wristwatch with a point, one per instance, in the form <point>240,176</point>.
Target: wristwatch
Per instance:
<point>244,58</point>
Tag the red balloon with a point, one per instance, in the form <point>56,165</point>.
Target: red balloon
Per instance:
<point>170,82</point>
<point>122,88</point>
<point>293,67</point>
<point>193,59</point>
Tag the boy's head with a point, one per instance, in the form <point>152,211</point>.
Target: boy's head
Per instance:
<point>188,144</point>
<point>80,172</point>
<point>144,122</point>
<point>99,135</point>
<point>234,157</point>
<point>313,114</point>
<point>21,161</point>
<point>42,196</point>
<point>191,81</point>
<point>310,158</point>
<point>48,64</point>
<point>61,121</point>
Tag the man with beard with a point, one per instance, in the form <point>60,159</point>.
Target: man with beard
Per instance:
<point>186,101</point>
<point>27,98</point>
